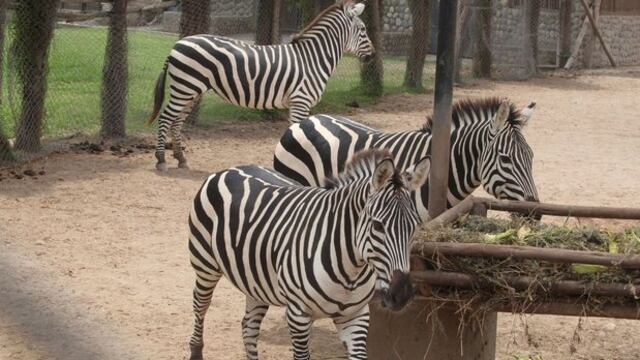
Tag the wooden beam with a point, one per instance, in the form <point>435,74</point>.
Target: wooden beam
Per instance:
<point>562,256</point>
<point>597,32</point>
<point>521,283</point>
<point>578,44</point>
<point>566,307</point>
<point>561,210</point>
<point>591,44</point>
<point>452,214</point>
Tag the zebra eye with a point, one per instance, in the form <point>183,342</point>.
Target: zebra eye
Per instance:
<point>377,226</point>
<point>505,158</point>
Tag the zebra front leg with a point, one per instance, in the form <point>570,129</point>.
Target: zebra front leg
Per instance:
<point>254,314</point>
<point>202,293</point>
<point>353,332</point>
<point>300,331</point>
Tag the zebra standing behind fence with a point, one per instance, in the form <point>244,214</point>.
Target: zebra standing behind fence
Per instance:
<point>290,76</point>
<point>487,148</point>
<point>319,251</point>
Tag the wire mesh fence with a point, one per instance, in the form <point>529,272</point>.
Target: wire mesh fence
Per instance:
<point>98,74</point>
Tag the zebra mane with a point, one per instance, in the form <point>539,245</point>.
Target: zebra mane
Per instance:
<point>337,6</point>
<point>465,107</point>
<point>362,165</point>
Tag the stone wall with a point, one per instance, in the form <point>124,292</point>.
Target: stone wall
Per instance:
<point>396,16</point>
<point>621,33</point>
<point>228,17</point>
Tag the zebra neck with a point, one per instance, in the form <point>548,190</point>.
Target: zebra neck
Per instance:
<point>351,207</point>
<point>468,143</point>
<point>321,49</point>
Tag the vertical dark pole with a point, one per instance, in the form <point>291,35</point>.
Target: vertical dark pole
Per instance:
<point>564,42</point>
<point>439,177</point>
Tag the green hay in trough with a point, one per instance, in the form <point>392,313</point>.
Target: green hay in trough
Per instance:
<point>474,229</point>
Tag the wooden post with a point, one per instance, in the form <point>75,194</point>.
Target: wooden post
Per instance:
<point>591,44</point>
<point>597,32</point>
<point>482,57</point>
<point>577,45</point>
<point>439,177</point>
<point>422,332</point>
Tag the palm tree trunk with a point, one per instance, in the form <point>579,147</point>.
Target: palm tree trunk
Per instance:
<point>34,24</point>
<point>371,73</point>
<point>6,152</point>
<point>115,74</point>
<point>195,19</point>
<point>420,10</point>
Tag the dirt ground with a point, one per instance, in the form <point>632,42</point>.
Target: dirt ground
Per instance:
<point>93,255</point>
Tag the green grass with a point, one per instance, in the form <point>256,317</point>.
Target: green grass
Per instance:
<point>75,73</point>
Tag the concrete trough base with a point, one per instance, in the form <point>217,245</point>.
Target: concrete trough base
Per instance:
<point>417,333</point>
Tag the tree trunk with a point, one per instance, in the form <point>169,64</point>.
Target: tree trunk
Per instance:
<point>195,17</point>
<point>34,24</point>
<point>371,73</point>
<point>462,40</point>
<point>532,21</point>
<point>418,47</point>
<point>482,47</point>
<point>194,20</point>
<point>114,74</point>
<point>6,153</point>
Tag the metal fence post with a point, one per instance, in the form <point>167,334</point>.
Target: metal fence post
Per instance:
<point>439,177</point>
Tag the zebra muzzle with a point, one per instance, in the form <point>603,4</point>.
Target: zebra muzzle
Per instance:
<point>399,293</point>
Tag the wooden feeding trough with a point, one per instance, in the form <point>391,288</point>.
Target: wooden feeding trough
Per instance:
<point>433,327</point>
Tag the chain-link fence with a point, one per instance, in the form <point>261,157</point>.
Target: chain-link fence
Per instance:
<point>90,66</point>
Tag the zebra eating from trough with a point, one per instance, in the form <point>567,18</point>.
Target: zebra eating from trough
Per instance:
<point>321,252</point>
<point>488,148</point>
<point>287,76</point>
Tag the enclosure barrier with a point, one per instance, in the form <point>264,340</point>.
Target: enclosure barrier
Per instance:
<point>438,330</point>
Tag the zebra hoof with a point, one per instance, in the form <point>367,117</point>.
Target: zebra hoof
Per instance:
<point>196,352</point>
<point>183,165</point>
<point>161,166</point>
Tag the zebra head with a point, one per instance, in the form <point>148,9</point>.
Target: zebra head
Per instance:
<point>507,160</point>
<point>358,42</point>
<point>386,228</point>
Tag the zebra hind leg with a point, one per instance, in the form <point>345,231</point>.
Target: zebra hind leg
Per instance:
<point>202,293</point>
<point>255,312</point>
<point>171,114</point>
<point>300,331</point>
<point>176,133</point>
<point>353,332</point>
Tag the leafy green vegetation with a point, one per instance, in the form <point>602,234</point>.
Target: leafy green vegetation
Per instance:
<point>75,73</point>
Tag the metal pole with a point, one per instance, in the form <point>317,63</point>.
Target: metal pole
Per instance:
<point>441,126</point>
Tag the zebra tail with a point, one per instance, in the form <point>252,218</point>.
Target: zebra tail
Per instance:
<point>159,93</point>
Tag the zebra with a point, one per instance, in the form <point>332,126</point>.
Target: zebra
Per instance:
<point>291,76</point>
<point>318,251</point>
<point>487,148</point>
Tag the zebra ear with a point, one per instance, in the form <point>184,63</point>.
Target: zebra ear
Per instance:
<point>416,178</point>
<point>527,113</point>
<point>502,115</point>
<point>356,9</point>
<point>383,172</point>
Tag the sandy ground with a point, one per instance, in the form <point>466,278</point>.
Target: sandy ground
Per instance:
<point>93,256</point>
